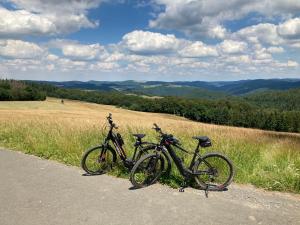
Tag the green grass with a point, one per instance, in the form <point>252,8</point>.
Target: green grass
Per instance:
<point>49,130</point>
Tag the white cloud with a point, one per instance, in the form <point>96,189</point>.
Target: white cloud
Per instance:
<point>115,56</point>
<point>83,52</point>
<point>231,46</point>
<point>50,67</point>
<point>262,54</point>
<point>20,22</point>
<point>295,44</point>
<point>290,28</point>
<point>41,17</point>
<point>145,42</point>
<point>263,32</point>
<point>76,51</point>
<point>266,34</point>
<point>237,59</point>
<point>73,6</point>
<point>292,63</point>
<point>3,43</point>
<point>52,57</point>
<point>217,32</point>
<point>274,49</point>
<point>198,49</point>
<point>198,18</point>
<point>104,66</point>
<point>20,50</point>
<point>65,64</point>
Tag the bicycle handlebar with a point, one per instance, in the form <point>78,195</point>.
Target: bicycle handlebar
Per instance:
<point>110,121</point>
<point>157,128</point>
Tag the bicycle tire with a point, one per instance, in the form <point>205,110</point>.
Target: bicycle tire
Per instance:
<point>212,179</point>
<point>147,149</point>
<point>147,170</point>
<point>101,163</point>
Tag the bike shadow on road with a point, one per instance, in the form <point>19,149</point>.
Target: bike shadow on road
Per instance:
<point>91,175</point>
<point>180,189</point>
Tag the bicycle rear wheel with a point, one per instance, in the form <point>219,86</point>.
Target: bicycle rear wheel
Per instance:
<point>147,170</point>
<point>216,172</point>
<point>98,160</point>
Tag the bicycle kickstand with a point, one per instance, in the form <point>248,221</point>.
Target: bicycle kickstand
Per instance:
<point>183,186</point>
<point>206,191</point>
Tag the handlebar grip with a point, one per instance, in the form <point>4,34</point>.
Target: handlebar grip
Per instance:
<point>109,118</point>
<point>156,127</point>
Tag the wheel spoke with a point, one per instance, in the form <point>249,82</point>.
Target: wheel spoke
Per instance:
<point>98,161</point>
<point>216,172</point>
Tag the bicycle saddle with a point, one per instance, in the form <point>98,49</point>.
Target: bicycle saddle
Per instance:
<point>139,135</point>
<point>201,138</point>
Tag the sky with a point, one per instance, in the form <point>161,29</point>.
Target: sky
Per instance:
<point>209,40</point>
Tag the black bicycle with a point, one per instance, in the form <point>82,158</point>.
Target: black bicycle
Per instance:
<point>212,171</point>
<point>101,158</point>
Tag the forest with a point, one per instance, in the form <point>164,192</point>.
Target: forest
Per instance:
<point>12,90</point>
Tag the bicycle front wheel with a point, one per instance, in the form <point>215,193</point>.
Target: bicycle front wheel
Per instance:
<point>98,160</point>
<point>147,170</point>
<point>216,171</point>
<point>152,149</point>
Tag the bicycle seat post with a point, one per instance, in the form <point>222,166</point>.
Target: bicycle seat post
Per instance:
<point>195,155</point>
<point>138,141</point>
<point>198,147</point>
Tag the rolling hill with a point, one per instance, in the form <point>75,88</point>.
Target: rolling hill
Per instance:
<point>191,89</point>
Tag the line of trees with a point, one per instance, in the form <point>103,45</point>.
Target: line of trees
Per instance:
<point>12,90</point>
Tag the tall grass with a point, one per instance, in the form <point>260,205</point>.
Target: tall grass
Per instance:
<point>62,132</point>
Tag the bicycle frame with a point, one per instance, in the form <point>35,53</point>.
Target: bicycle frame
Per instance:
<point>111,136</point>
<point>186,172</point>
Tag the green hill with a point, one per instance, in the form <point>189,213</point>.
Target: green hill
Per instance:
<point>284,100</point>
<point>180,91</point>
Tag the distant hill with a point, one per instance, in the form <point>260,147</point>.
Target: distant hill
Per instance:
<point>284,100</point>
<point>180,91</point>
<point>250,86</point>
<point>190,89</point>
<point>90,85</point>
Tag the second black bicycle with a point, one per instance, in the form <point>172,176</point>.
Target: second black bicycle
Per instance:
<point>212,171</point>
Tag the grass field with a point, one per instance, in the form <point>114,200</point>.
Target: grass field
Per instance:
<point>62,132</point>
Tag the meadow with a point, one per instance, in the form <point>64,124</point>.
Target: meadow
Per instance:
<point>62,132</point>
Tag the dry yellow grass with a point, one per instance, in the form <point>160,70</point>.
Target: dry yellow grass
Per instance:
<point>63,131</point>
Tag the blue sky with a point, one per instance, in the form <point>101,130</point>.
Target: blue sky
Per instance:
<point>149,40</point>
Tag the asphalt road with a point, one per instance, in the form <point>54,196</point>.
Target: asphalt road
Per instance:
<point>34,191</point>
